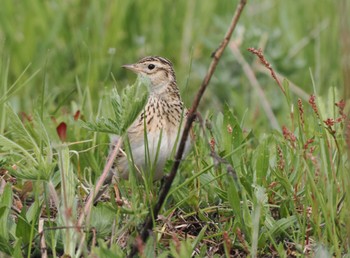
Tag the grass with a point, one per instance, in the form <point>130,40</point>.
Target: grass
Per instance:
<point>245,188</point>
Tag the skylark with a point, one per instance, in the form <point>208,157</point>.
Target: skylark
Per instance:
<point>155,134</point>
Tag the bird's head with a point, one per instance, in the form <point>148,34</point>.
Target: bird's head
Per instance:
<point>158,70</point>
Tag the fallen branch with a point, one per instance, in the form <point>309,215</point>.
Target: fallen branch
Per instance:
<point>148,223</point>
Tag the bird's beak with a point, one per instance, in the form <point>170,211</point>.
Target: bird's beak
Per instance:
<point>132,67</point>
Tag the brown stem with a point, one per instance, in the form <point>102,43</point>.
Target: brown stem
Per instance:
<point>148,223</point>
<point>43,248</point>
<point>100,182</point>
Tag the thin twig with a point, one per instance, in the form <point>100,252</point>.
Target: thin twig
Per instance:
<point>256,85</point>
<point>148,223</point>
<point>100,182</point>
<point>43,249</point>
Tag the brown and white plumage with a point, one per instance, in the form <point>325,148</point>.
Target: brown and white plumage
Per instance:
<point>163,116</point>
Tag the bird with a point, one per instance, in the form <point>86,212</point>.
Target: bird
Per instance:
<point>159,125</point>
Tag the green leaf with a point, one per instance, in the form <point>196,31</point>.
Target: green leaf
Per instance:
<point>149,250</point>
<point>134,99</point>
<point>34,210</point>
<point>200,237</point>
<point>8,145</point>
<point>104,251</point>
<point>22,148</point>
<point>281,226</point>
<point>233,135</point>
<point>102,218</point>
<point>103,125</point>
<point>19,131</point>
<point>126,107</point>
<point>5,206</point>
<point>68,182</point>
<point>183,250</point>
<point>17,250</point>
<point>262,162</point>
<point>233,196</point>
<point>5,246</point>
<point>117,107</point>
<point>68,186</point>
<point>23,228</point>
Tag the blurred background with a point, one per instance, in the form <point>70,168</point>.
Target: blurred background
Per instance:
<point>73,50</point>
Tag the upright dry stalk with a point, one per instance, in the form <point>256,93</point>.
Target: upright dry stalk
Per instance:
<point>256,85</point>
<point>148,223</point>
<point>107,168</point>
<point>260,55</point>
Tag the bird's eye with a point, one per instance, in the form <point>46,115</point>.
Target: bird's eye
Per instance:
<point>151,66</point>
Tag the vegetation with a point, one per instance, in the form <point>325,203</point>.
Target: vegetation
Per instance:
<point>255,183</point>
